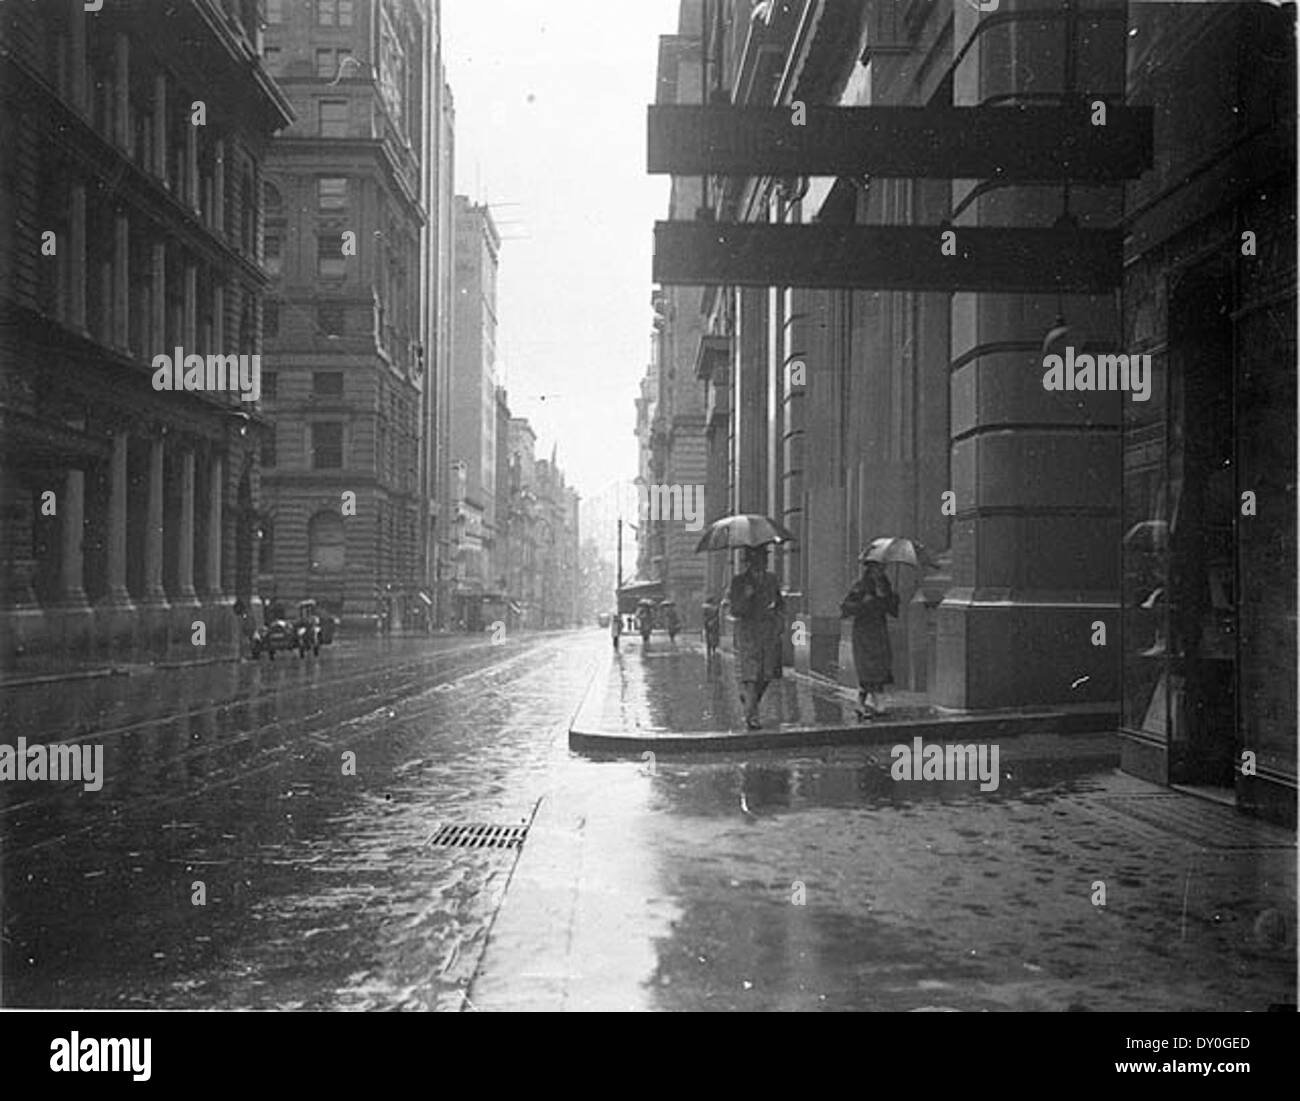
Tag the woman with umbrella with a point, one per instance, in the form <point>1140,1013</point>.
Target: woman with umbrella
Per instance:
<point>756,606</point>
<point>754,599</point>
<point>870,600</point>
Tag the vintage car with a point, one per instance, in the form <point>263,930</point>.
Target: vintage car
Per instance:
<point>278,634</point>
<point>315,628</point>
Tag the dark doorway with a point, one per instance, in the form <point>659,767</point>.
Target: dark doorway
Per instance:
<point>1202,546</point>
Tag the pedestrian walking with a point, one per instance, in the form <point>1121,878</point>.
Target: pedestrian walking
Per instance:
<point>672,619</point>
<point>615,627</point>
<point>756,607</point>
<point>712,616</point>
<point>868,603</point>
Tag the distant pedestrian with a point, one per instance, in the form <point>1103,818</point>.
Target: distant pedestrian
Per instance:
<point>868,603</point>
<point>756,607</point>
<point>712,616</point>
<point>615,627</point>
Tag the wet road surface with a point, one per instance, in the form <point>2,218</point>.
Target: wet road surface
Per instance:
<point>802,879</point>
<point>319,889</point>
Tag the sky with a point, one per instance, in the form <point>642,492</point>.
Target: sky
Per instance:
<point>551,102</point>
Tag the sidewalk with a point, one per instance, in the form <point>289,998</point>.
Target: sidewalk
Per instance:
<point>663,698</point>
<point>792,872</point>
<point>805,877</point>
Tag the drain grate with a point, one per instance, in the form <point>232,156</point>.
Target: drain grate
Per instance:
<point>479,836</point>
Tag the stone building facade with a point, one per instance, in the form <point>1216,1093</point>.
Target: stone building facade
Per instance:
<point>1089,550</point>
<point>132,226</point>
<point>345,218</point>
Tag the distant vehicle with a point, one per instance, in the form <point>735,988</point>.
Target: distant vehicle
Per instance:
<point>310,631</point>
<point>602,619</point>
<point>279,634</point>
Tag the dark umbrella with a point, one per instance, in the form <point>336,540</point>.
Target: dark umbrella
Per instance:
<point>742,530</point>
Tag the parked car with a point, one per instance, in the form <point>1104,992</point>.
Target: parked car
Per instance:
<point>278,634</point>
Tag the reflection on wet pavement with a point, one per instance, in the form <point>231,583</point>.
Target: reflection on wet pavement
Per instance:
<point>815,881</point>
<point>319,890</point>
<point>670,686</point>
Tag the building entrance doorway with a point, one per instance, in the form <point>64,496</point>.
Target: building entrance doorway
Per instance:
<point>1202,606</point>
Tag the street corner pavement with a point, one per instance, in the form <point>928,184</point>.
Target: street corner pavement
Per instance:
<point>669,687</point>
<point>667,697</point>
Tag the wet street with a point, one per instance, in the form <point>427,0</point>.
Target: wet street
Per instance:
<point>321,890</point>
<point>232,859</point>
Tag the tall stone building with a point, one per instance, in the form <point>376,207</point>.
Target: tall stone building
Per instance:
<point>1125,551</point>
<point>130,226</point>
<point>439,301</point>
<point>473,383</point>
<point>345,217</point>
<point>677,451</point>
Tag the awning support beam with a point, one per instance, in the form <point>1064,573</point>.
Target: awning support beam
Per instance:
<point>899,258</point>
<point>1019,143</point>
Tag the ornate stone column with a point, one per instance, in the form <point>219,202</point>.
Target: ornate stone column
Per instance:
<point>77,53</point>
<point>160,125</point>
<point>158,298</point>
<point>72,512</point>
<point>121,280</point>
<point>154,593</point>
<point>118,596</point>
<point>185,535</point>
<point>122,90</point>
<point>77,266</point>
<point>216,483</point>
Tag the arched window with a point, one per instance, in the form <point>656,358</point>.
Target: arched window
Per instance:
<point>325,541</point>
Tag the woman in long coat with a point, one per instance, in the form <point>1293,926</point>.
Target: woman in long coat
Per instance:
<point>756,607</point>
<point>868,603</point>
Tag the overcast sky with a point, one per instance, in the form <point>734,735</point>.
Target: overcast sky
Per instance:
<point>550,123</point>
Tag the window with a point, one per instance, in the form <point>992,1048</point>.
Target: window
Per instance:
<point>334,13</point>
<point>330,261</point>
<point>332,192</point>
<point>273,261</point>
<point>329,64</point>
<point>274,12</point>
<point>268,384</point>
<point>268,447</point>
<point>271,58</point>
<point>271,201</point>
<point>270,318</point>
<point>329,319</point>
<point>334,118</point>
<point>327,384</point>
<point>327,445</point>
<point>325,542</point>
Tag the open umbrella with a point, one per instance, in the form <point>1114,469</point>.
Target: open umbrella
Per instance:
<point>742,530</point>
<point>897,549</point>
